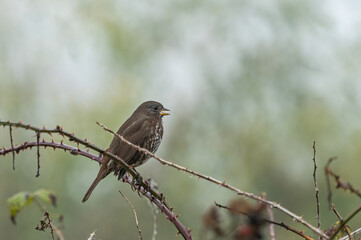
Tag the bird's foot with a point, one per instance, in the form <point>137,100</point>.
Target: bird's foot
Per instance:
<point>136,183</point>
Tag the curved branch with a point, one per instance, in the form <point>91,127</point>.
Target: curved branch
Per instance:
<point>59,130</point>
<point>222,184</point>
<point>146,191</point>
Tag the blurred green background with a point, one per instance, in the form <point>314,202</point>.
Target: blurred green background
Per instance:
<point>250,86</point>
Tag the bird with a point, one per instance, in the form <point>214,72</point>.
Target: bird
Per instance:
<point>143,128</point>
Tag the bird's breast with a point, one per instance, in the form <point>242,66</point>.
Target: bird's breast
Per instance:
<point>155,137</point>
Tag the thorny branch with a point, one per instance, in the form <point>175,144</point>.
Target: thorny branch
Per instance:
<point>144,188</point>
<point>300,233</point>
<point>222,184</point>
<point>353,234</point>
<point>168,212</point>
<point>316,187</point>
<point>38,153</point>
<point>346,220</point>
<point>339,182</point>
<point>341,220</point>
<point>345,186</point>
<point>145,191</point>
<point>12,145</point>
<point>72,137</point>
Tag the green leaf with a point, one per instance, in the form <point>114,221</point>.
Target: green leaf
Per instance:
<point>17,202</point>
<point>46,195</point>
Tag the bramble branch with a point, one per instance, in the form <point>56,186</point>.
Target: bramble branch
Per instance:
<point>73,138</point>
<point>142,187</point>
<point>339,183</point>
<point>316,187</point>
<point>222,184</point>
<point>346,220</point>
<point>283,225</point>
<point>341,220</point>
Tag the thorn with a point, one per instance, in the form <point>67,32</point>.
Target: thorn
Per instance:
<point>61,142</point>
<point>86,139</point>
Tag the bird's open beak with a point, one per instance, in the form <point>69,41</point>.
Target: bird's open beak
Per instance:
<point>164,112</point>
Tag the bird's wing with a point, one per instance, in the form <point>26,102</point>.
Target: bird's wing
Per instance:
<point>136,134</point>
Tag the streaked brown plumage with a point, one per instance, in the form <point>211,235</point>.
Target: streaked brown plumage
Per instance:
<point>143,128</point>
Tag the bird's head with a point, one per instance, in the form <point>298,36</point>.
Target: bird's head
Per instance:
<point>152,108</point>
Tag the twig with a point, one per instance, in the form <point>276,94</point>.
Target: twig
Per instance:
<point>342,184</point>
<point>341,220</point>
<point>345,221</point>
<point>12,145</point>
<point>353,234</point>
<point>155,213</point>
<point>54,145</point>
<point>300,233</point>
<point>316,187</point>
<point>329,190</point>
<point>92,235</point>
<point>135,215</point>
<point>38,153</point>
<point>222,184</point>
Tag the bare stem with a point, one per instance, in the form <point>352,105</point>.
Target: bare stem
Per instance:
<point>38,153</point>
<point>135,215</point>
<point>316,187</point>
<point>12,145</point>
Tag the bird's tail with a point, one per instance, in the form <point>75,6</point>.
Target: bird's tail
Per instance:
<point>100,176</point>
